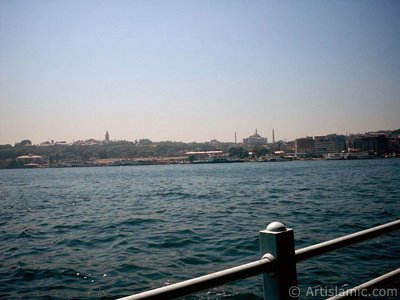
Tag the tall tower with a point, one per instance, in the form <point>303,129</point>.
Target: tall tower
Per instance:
<point>235,138</point>
<point>107,139</point>
<point>273,136</point>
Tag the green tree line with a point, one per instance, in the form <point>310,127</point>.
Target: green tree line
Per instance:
<point>121,149</point>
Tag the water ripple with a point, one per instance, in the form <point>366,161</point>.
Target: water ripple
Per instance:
<point>102,233</point>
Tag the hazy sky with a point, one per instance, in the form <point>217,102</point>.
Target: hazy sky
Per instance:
<point>197,70</point>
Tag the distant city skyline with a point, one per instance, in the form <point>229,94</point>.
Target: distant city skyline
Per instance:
<point>107,137</point>
<point>197,70</point>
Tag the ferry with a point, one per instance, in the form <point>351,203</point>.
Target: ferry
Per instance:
<point>334,156</point>
<point>356,155</point>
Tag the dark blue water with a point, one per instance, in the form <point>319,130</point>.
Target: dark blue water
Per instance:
<point>89,233</point>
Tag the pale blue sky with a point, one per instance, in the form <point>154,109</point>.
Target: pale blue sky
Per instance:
<point>197,70</point>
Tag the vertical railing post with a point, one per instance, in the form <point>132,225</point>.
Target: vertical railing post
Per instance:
<point>282,283</point>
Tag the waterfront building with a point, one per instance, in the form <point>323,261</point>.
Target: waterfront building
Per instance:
<point>304,147</point>
<point>87,142</point>
<point>205,156</point>
<point>255,140</point>
<point>331,143</point>
<point>107,137</point>
<point>393,143</point>
<point>32,161</point>
<point>376,143</point>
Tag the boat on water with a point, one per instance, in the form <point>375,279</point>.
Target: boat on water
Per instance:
<point>357,155</point>
<point>347,155</point>
<point>334,156</point>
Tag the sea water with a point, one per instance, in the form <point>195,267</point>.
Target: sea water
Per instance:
<point>108,232</point>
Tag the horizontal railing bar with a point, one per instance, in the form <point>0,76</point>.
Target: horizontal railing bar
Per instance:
<point>334,244</point>
<point>266,264</point>
<point>367,286</point>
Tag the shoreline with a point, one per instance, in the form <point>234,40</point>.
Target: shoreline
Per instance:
<point>117,162</point>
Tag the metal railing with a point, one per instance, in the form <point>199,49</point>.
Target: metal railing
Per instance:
<point>278,266</point>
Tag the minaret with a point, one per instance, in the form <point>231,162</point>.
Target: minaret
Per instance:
<point>107,139</point>
<point>273,136</point>
<point>235,138</point>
